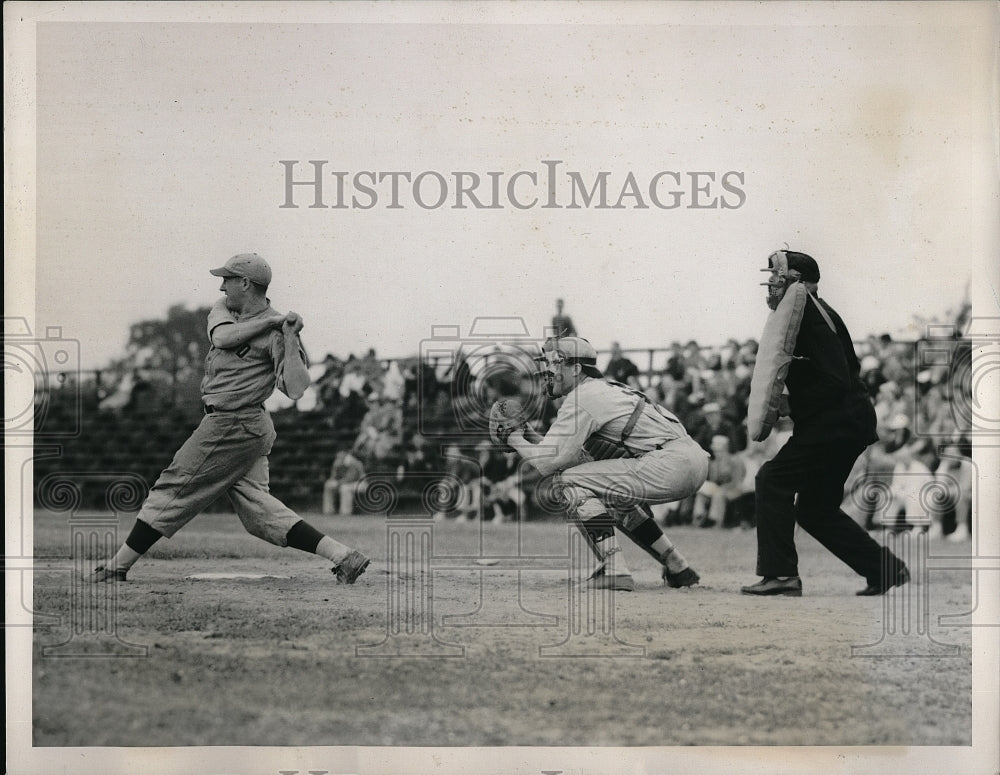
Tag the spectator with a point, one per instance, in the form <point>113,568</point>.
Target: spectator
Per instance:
<point>709,422</point>
<point>419,384</point>
<point>562,324</point>
<point>871,375</point>
<point>502,487</point>
<point>394,384</point>
<point>722,487</point>
<point>380,433</point>
<point>464,473</point>
<point>887,404</point>
<point>122,397</point>
<point>753,457</point>
<point>345,475</point>
<point>621,369</point>
<point>694,363</point>
<point>418,457</point>
<point>954,474</point>
<point>373,372</point>
<point>869,480</point>
<point>328,385</point>
<point>909,478</point>
<point>676,366</point>
<point>353,382</point>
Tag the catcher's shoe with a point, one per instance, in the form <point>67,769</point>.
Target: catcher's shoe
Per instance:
<point>352,566</point>
<point>685,578</point>
<point>619,582</point>
<point>771,585</point>
<point>106,574</point>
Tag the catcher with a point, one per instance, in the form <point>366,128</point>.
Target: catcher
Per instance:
<point>613,452</point>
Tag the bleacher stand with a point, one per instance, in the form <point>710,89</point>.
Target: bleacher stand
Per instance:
<point>376,408</point>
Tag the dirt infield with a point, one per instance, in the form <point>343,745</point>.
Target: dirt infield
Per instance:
<point>489,650</point>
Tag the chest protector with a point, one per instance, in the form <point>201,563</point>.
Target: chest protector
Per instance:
<point>600,448</point>
<point>774,356</point>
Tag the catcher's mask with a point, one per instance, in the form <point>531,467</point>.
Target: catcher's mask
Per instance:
<point>563,351</point>
<point>788,267</point>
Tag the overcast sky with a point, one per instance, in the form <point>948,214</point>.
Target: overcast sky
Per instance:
<point>859,136</point>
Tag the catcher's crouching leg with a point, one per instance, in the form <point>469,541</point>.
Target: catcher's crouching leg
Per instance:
<point>638,524</point>
<point>598,528</point>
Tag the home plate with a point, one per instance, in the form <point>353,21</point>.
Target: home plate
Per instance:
<point>227,576</point>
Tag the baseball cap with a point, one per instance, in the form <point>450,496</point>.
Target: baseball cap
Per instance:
<point>575,349</point>
<point>804,264</point>
<point>899,422</point>
<point>248,265</point>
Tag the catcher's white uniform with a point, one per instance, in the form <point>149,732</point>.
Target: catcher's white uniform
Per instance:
<point>614,452</point>
<point>615,449</point>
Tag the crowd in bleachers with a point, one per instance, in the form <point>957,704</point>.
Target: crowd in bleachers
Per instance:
<point>406,418</point>
<point>919,473</point>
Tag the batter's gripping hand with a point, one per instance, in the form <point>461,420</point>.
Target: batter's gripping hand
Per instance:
<point>506,416</point>
<point>292,323</point>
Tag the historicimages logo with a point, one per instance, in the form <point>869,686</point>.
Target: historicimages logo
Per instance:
<point>317,187</point>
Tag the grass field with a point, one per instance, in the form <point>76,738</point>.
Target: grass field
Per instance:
<point>297,660</point>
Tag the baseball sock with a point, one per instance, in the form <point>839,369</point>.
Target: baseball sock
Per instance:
<point>640,526</point>
<point>140,538</point>
<point>306,538</point>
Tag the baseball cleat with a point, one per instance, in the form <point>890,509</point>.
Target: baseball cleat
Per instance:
<point>881,586</point>
<point>771,585</point>
<point>106,574</point>
<point>352,566</point>
<point>685,578</point>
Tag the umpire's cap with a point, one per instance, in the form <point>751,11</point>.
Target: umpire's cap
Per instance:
<point>802,263</point>
<point>574,349</point>
<point>248,265</point>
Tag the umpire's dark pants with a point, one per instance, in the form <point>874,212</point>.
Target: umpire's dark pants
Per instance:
<point>816,472</point>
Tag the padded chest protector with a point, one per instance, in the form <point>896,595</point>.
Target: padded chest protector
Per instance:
<point>774,356</point>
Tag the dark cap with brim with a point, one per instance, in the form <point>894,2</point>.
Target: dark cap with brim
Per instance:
<point>248,265</point>
<point>804,264</point>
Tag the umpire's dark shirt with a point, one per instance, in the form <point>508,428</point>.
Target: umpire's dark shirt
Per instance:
<point>827,398</point>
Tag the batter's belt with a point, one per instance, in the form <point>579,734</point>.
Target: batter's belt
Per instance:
<point>209,409</point>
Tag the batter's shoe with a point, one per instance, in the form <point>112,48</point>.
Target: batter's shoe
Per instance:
<point>106,574</point>
<point>352,566</point>
<point>882,586</point>
<point>790,586</point>
<point>685,578</point>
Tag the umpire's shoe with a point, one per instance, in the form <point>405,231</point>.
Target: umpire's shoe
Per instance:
<point>106,574</point>
<point>352,566</point>
<point>684,578</point>
<point>789,586</point>
<point>881,586</point>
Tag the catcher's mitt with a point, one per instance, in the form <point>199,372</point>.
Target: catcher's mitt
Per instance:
<point>506,416</point>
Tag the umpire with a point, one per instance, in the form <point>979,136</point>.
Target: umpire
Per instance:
<point>834,422</point>
<point>254,349</point>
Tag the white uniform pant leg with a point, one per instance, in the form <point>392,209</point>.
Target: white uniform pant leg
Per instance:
<point>261,513</point>
<point>661,476</point>
<point>219,452</point>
